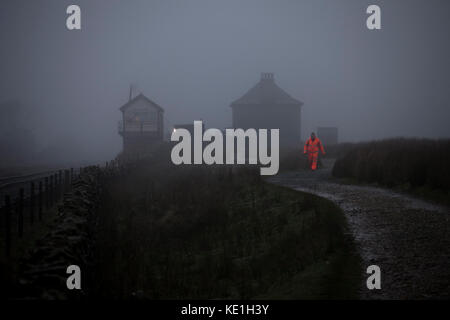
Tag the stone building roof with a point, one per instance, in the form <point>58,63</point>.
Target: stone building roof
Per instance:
<point>266,91</point>
<point>139,97</point>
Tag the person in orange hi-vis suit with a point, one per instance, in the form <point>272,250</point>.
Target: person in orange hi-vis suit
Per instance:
<point>312,146</point>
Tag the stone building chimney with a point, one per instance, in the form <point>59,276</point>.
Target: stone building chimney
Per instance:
<point>267,76</point>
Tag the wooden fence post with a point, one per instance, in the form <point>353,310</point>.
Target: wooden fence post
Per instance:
<point>32,203</point>
<point>51,190</point>
<point>60,185</point>
<point>54,184</point>
<point>20,212</point>
<point>8,225</point>
<point>46,193</point>
<point>40,201</point>
<point>66,180</point>
<point>55,188</point>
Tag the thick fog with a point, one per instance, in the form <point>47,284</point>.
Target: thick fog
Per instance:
<point>195,57</point>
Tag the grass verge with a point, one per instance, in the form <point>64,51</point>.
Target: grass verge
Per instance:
<point>171,232</point>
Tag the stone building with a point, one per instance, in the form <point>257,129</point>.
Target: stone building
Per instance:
<point>141,126</point>
<point>267,106</point>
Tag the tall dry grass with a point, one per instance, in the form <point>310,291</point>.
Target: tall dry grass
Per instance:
<point>175,232</point>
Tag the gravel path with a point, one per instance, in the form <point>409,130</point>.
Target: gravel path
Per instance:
<point>409,239</point>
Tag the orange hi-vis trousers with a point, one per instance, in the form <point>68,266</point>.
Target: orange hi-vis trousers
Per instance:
<point>312,149</point>
<point>312,159</point>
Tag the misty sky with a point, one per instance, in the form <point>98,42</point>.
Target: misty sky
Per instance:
<point>195,57</point>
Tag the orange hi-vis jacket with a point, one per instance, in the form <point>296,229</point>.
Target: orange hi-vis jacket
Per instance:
<point>313,146</point>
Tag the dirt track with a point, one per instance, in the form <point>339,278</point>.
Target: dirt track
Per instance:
<point>409,239</point>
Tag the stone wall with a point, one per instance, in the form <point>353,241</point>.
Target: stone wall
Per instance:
<point>43,270</point>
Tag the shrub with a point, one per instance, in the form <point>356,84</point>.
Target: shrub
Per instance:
<point>395,162</point>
